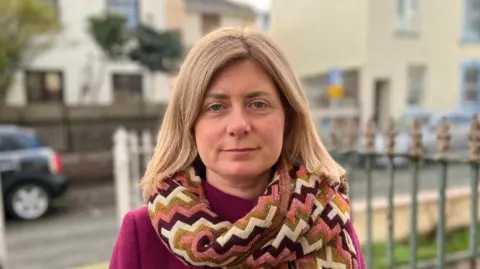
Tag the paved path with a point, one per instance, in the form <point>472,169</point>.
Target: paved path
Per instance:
<point>82,228</point>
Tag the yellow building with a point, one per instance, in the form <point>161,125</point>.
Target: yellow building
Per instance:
<point>395,55</point>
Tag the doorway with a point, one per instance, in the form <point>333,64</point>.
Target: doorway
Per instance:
<point>381,109</point>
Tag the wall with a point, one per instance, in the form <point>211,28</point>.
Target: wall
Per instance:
<point>457,214</point>
<point>320,34</point>
<point>193,27</point>
<point>192,30</point>
<point>154,13</point>
<point>390,51</point>
<point>175,15</point>
<point>83,128</point>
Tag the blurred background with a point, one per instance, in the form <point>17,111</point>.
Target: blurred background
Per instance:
<point>84,85</point>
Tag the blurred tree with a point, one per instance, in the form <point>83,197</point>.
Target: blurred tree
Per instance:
<point>109,33</point>
<point>26,27</point>
<point>157,51</point>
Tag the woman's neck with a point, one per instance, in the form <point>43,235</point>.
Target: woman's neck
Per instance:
<point>247,188</point>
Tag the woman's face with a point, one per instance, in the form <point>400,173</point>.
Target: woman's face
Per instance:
<point>239,132</point>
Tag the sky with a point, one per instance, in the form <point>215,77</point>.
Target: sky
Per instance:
<point>259,4</point>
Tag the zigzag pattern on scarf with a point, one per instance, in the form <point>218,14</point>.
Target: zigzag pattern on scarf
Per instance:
<point>312,232</point>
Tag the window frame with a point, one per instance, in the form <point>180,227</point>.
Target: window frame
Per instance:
<point>126,8</point>
<point>407,20</point>
<point>464,104</point>
<point>420,85</point>
<point>117,91</point>
<point>469,35</point>
<point>44,92</point>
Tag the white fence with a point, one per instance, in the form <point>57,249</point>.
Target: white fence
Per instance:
<point>132,152</point>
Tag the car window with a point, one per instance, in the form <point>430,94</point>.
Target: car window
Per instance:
<point>28,140</point>
<point>9,143</point>
<point>18,141</point>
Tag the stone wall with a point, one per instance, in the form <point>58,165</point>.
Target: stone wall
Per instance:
<point>457,214</point>
<point>84,128</point>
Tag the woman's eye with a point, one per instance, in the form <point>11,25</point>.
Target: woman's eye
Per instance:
<point>215,107</point>
<point>259,105</point>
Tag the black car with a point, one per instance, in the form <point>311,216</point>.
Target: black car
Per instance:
<point>30,173</point>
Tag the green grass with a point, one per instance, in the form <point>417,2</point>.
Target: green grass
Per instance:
<point>456,241</point>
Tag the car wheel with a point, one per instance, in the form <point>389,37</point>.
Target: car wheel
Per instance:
<point>28,201</point>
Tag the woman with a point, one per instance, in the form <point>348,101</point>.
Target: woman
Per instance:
<point>239,177</point>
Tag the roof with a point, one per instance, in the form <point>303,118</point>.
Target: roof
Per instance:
<point>220,7</point>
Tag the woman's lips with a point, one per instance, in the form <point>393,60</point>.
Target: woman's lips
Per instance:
<point>240,149</point>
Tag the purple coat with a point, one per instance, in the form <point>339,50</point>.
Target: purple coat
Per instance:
<point>138,245</point>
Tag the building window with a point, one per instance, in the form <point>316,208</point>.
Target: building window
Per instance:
<point>407,15</point>
<point>127,88</point>
<point>210,22</point>
<point>415,85</point>
<point>44,86</point>
<point>350,84</point>
<point>471,84</point>
<point>127,8</point>
<point>471,31</point>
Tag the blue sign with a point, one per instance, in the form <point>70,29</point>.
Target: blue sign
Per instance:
<point>335,77</point>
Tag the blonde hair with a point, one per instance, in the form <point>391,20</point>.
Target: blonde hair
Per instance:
<point>176,147</point>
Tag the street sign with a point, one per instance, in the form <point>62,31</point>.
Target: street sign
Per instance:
<point>335,84</point>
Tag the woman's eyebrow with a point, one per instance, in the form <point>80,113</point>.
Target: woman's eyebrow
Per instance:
<point>217,95</point>
<point>257,94</point>
<point>223,96</point>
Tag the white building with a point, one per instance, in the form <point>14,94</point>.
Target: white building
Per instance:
<point>73,70</point>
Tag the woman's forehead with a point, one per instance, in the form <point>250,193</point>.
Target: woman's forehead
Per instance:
<point>244,77</point>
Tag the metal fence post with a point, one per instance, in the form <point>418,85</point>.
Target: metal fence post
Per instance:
<point>3,237</point>
<point>391,135</point>
<point>369,147</point>
<point>121,172</point>
<point>415,152</point>
<point>443,146</point>
<point>474,137</point>
<point>349,141</point>
<point>474,216</point>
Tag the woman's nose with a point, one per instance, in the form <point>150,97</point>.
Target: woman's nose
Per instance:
<point>238,123</point>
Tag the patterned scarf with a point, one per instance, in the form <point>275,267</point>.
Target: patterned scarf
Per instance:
<point>299,222</point>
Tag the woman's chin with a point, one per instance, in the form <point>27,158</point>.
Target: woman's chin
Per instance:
<point>243,170</point>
